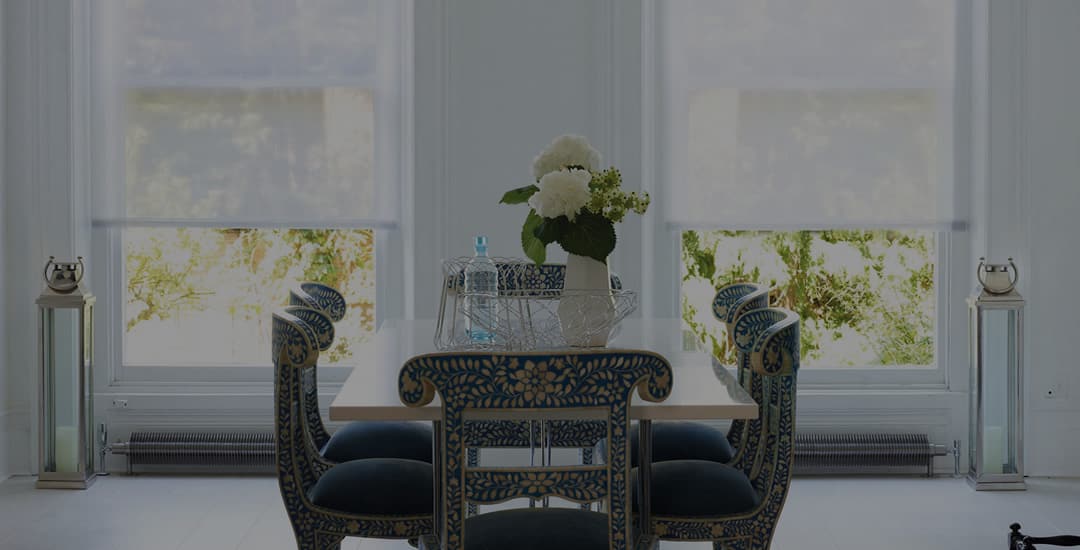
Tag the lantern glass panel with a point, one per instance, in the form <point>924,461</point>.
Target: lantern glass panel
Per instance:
<point>998,390</point>
<point>88,386</point>
<point>63,362</point>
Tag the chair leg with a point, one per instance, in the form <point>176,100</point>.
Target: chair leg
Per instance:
<point>307,540</point>
<point>761,542</point>
<point>331,542</point>
<point>741,544</point>
<point>586,460</point>
<point>472,460</point>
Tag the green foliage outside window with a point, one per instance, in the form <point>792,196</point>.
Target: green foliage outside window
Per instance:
<point>866,297</point>
<point>177,275</point>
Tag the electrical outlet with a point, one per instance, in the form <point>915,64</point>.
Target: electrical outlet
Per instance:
<point>119,403</point>
<point>1053,391</point>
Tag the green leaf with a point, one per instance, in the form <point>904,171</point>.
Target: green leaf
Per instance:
<point>519,195</point>
<point>534,248</point>
<point>589,235</point>
<point>550,229</point>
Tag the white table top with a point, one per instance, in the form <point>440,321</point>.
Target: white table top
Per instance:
<point>699,392</point>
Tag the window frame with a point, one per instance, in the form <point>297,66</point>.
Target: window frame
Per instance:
<point>107,161</point>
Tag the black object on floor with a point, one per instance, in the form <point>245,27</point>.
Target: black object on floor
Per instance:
<point>1020,541</point>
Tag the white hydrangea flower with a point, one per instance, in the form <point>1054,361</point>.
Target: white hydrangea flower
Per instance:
<point>562,193</point>
<point>565,151</point>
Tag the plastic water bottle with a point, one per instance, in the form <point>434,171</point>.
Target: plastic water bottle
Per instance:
<point>481,292</point>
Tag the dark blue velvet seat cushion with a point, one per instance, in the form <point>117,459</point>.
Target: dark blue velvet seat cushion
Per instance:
<point>537,529</point>
<point>698,488</point>
<point>376,486</point>
<point>685,440</point>
<point>380,439</point>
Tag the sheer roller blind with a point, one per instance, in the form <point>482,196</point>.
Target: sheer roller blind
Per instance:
<point>254,113</point>
<point>807,114</point>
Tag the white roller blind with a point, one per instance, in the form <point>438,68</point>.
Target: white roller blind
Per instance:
<point>806,114</point>
<point>254,113</point>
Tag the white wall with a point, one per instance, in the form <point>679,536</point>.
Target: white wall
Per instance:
<point>4,412</point>
<point>45,184</point>
<point>1048,193</point>
<point>496,81</point>
<point>1027,186</point>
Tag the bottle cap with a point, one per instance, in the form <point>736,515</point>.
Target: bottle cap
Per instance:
<point>481,242</point>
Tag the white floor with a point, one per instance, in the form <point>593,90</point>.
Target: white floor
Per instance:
<point>227,513</point>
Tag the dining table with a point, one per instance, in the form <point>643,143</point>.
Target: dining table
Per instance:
<point>701,389</point>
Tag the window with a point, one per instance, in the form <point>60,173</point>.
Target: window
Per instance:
<point>809,146</point>
<point>248,151</point>
<point>218,287</point>
<point>865,297</point>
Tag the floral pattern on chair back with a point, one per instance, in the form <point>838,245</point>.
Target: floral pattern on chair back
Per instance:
<point>535,381</point>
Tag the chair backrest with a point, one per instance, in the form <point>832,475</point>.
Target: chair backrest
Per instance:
<point>730,303</point>
<point>601,381</point>
<point>319,296</point>
<point>309,383</point>
<point>525,276</point>
<point>768,339</point>
<point>331,303</point>
<point>295,350</point>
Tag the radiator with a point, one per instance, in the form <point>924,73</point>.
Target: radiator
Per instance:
<point>814,453</point>
<point>229,451</point>
<point>869,454</point>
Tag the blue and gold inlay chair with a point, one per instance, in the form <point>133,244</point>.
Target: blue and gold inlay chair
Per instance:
<point>325,502</point>
<point>738,505</point>
<point>471,383</point>
<point>369,439</point>
<point>693,440</point>
<point>583,435</point>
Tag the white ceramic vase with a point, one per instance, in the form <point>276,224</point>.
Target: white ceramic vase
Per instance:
<point>587,306</point>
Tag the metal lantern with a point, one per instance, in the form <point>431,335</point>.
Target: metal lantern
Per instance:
<point>66,410</point>
<point>995,450</point>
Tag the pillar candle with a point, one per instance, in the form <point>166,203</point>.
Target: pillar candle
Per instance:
<point>67,449</point>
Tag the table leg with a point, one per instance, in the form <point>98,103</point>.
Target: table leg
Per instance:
<point>645,476</point>
<point>437,458</point>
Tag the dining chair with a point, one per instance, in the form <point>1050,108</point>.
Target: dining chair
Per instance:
<point>737,506</point>
<point>595,383</point>
<point>368,439</point>
<point>524,434</point>
<point>676,440</point>
<point>1020,541</point>
<point>325,502</point>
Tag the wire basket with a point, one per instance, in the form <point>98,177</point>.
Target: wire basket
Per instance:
<point>531,311</point>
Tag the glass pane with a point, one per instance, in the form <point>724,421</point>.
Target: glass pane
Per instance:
<point>200,296</point>
<point>816,43</point>
<point>866,298</point>
<point>88,389</point>
<point>249,40</point>
<point>807,157</point>
<point>273,155</point>
<point>973,384</point>
<point>62,360</point>
<point>998,390</point>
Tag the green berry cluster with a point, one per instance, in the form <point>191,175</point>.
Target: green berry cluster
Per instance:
<point>609,200</point>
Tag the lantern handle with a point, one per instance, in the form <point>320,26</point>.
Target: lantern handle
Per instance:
<point>45,272</point>
<point>1013,278</point>
<point>82,270</point>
